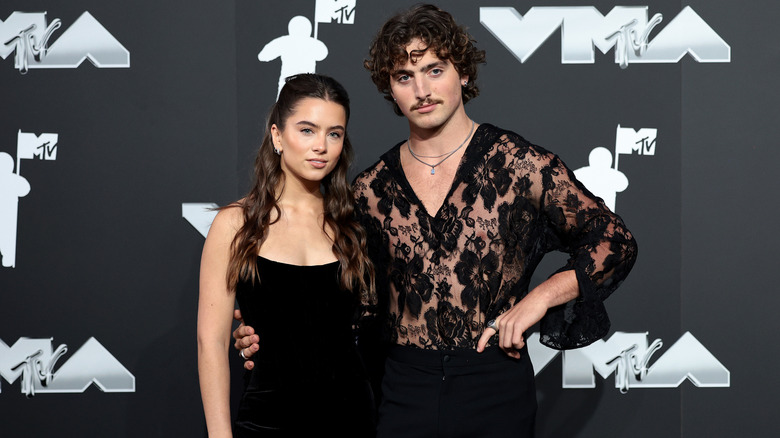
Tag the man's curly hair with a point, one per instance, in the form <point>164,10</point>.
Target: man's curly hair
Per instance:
<point>439,32</point>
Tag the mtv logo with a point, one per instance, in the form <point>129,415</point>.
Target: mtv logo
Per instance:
<point>628,355</point>
<point>30,146</point>
<point>32,24</point>
<point>28,34</point>
<point>34,360</point>
<point>642,141</point>
<point>338,11</point>
<point>625,28</point>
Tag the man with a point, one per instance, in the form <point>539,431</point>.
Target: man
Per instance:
<point>458,216</point>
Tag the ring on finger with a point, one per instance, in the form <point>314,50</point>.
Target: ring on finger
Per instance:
<point>241,353</point>
<point>492,324</point>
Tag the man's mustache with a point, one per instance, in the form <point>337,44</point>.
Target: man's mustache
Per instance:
<point>425,102</point>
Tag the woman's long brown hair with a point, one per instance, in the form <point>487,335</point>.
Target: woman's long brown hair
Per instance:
<point>260,204</point>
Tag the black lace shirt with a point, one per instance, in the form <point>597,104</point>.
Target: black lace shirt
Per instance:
<point>440,278</point>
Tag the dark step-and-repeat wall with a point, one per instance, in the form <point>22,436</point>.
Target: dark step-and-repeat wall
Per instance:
<point>123,121</point>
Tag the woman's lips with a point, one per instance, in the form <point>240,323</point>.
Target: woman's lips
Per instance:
<point>319,164</point>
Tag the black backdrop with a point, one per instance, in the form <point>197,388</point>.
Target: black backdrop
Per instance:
<point>102,250</point>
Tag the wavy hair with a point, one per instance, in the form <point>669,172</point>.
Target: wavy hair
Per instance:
<point>349,238</point>
<point>439,32</point>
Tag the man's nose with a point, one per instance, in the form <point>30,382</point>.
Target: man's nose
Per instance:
<point>421,88</point>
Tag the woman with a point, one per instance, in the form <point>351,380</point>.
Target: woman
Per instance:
<point>291,255</point>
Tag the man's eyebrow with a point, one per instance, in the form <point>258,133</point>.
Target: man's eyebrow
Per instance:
<point>439,63</point>
<point>426,67</point>
<point>400,71</point>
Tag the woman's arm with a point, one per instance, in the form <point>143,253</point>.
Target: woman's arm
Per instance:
<point>215,316</point>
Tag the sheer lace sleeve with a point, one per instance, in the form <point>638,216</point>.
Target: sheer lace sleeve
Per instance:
<point>602,252</point>
<point>440,275</point>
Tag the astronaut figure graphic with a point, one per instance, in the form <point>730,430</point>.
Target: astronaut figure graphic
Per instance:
<point>600,178</point>
<point>12,187</point>
<point>298,50</point>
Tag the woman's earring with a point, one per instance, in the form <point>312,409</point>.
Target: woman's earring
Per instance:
<point>277,152</point>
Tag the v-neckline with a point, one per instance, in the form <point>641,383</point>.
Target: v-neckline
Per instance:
<point>456,179</point>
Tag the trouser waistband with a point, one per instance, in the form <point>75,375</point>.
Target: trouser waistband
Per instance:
<point>449,358</point>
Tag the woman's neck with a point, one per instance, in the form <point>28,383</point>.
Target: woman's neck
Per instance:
<point>298,196</point>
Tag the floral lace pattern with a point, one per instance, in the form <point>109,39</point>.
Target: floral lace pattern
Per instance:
<point>440,278</point>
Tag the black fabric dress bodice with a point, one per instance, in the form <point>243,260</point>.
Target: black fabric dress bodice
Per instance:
<point>308,378</point>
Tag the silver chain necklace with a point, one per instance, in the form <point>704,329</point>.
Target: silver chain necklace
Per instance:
<point>445,155</point>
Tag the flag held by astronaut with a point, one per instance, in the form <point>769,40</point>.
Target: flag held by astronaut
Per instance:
<point>335,11</point>
<point>30,146</point>
<point>628,141</point>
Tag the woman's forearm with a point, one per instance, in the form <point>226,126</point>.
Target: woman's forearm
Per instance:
<point>214,374</point>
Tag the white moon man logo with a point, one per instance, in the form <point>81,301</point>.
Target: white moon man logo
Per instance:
<point>606,181</point>
<point>14,186</point>
<point>299,51</point>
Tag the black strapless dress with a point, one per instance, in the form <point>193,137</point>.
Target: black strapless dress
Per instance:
<point>308,378</point>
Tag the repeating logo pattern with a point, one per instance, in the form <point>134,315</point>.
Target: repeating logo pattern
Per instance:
<point>298,50</point>
<point>606,181</point>
<point>14,186</point>
<point>625,28</point>
<point>628,356</point>
<point>28,35</point>
<point>33,361</point>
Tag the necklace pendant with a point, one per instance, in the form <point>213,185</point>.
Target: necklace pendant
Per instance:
<point>433,170</point>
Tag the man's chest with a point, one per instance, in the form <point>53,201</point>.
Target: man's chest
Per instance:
<point>429,187</point>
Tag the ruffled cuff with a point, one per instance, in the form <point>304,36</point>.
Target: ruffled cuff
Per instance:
<point>578,323</point>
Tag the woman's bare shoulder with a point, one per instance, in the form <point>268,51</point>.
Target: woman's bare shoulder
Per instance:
<point>228,221</point>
